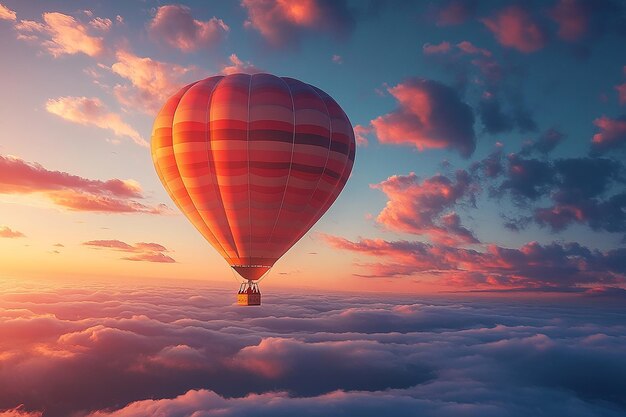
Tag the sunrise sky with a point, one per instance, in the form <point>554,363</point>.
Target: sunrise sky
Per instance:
<point>491,139</point>
<point>474,265</point>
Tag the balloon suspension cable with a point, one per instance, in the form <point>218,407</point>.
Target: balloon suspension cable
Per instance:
<point>232,272</point>
<point>264,275</point>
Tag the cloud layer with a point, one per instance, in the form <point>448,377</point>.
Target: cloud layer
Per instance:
<point>179,351</point>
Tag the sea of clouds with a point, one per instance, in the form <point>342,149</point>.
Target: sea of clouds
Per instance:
<point>170,350</point>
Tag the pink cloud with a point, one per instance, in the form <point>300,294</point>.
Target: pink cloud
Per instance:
<point>337,59</point>
<point>238,66</point>
<point>103,24</point>
<point>465,47</point>
<point>6,232</point>
<point>455,13</point>
<point>19,411</point>
<point>360,133</point>
<point>134,350</point>
<point>430,49</point>
<point>61,34</point>
<point>513,27</point>
<point>175,25</point>
<point>89,202</point>
<point>27,30</point>
<point>110,244</point>
<point>7,14</point>
<point>457,56</point>
<point>621,92</point>
<point>281,22</point>
<point>71,191</point>
<point>430,115</point>
<point>151,257</point>
<point>418,206</point>
<point>531,266</point>
<point>148,252</point>
<point>612,133</point>
<point>572,18</point>
<point>151,82</point>
<point>91,111</point>
<point>471,49</point>
<point>179,357</point>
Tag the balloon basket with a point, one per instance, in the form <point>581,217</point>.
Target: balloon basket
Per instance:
<point>249,294</point>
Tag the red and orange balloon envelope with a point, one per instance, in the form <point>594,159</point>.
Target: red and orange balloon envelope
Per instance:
<point>253,161</point>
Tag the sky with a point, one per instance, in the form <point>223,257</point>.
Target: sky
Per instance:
<point>474,264</point>
<point>490,139</point>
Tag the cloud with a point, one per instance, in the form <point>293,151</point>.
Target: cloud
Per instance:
<point>430,115</point>
<point>572,18</point>
<point>149,252</point>
<point>238,66</point>
<point>19,412</point>
<point>443,47</point>
<point>455,12</point>
<point>463,47</point>
<point>621,93</point>
<point>71,191</point>
<point>527,178</point>
<point>174,25</point>
<point>6,232</point>
<point>612,134</point>
<point>360,134</point>
<point>283,22</point>
<point>584,190</point>
<point>470,65</point>
<point>584,194</point>
<point>285,360</point>
<point>151,82</point>
<point>419,206</point>
<point>545,144</point>
<point>91,111</point>
<point>501,107</point>
<point>513,27</point>
<point>493,117</point>
<point>61,34</point>
<point>7,14</point>
<point>500,118</point>
<point>133,350</point>
<point>337,59</point>
<point>532,266</point>
<point>471,49</point>
<point>491,166</point>
<point>103,24</point>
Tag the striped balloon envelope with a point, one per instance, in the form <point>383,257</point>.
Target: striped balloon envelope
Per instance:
<point>253,161</point>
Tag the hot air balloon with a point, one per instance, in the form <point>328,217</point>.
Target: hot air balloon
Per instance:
<point>253,161</point>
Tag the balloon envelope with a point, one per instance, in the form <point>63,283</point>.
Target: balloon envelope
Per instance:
<point>253,161</point>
